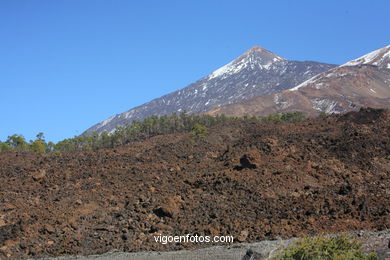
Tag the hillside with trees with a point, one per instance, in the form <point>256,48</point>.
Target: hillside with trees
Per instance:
<point>136,131</point>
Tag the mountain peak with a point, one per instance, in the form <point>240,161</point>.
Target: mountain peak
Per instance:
<point>256,57</point>
<point>257,49</point>
<point>259,56</point>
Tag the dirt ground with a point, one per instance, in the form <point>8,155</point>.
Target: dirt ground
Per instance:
<point>250,180</point>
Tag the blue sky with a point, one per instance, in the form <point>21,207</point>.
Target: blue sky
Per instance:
<point>66,65</point>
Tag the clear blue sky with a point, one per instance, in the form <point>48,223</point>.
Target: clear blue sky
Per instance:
<point>66,65</point>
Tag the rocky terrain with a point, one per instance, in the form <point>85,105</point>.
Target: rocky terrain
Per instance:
<point>255,73</point>
<point>359,83</point>
<point>247,179</point>
<point>264,250</point>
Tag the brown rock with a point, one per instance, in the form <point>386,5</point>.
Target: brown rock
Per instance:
<point>243,235</point>
<point>141,236</point>
<point>250,160</point>
<point>49,229</point>
<point>162,226</point>
<point>2,222</point>
<point>8,206</point>
<point>168,209</point>
<point>213,231</point>
<point>39,175</point>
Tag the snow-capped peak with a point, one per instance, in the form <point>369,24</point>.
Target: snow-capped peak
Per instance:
<point>380,57</point>
<point>256,57</point>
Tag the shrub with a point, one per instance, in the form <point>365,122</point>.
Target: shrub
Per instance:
<point>340,247</point>
<point>17,142</point>
<point>284,117</point>
<point>4,147</point>
<point>199,131</point>
<point>272,118</point>
<point>38,146</point>
<point>322,114</point>
<point>292,116</point>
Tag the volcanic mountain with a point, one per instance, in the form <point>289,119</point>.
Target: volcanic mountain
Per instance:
<point>363,82</point>
<point>256,72</point>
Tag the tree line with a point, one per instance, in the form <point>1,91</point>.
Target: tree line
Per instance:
<point>135,131</point>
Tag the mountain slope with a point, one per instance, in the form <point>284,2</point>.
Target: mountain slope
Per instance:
<point>359,83</point>
<point>256,72</point>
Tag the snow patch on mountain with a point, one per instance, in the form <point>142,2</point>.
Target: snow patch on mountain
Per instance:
<point>325,105</point>
<point>380,57</point>
<point>281,103</point>
<point>108,120</point>
<point>305,83</point>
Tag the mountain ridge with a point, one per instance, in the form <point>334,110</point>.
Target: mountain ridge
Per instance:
<point>362,82</point>
<point>256,72</point>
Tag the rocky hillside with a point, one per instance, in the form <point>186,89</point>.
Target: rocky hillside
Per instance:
<point>256,72</point>
<point>364,82</point>
<point>250,180</point>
